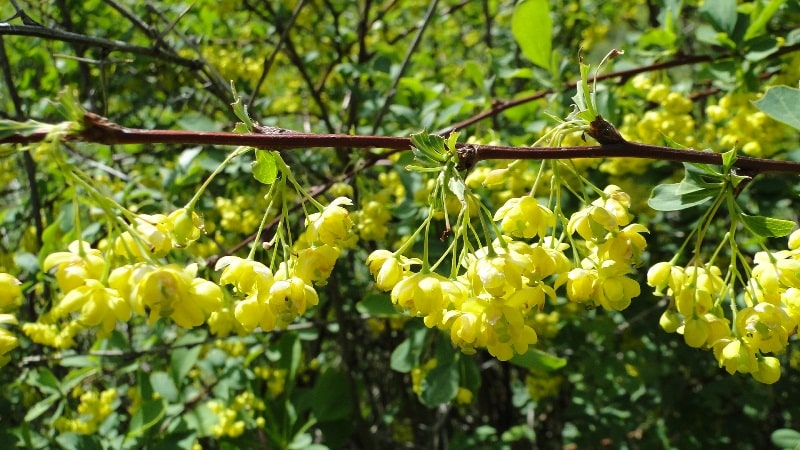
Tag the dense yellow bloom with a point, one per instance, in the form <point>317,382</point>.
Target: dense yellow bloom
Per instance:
<point>98,305</point>
<point>74,267</point>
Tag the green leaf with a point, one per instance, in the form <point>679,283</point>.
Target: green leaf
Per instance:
<point>440,385</point>
<point>537,359</point>
<point>240,110</point>
<point>428,149</point>
<point>786,438</point>
<point>264,168</point>
<point>41,407</point>
<point>721,13</point>
<point>163,384</point>
<point>148,415</point>
<point>760,17</point>
<point>781,103</point>
<point>728,159</point>
<point>332,396</point>
<point>457,187</point>
<point>406,356</point>
<point>377,305</point>
<point>532,27</point>
<point>768,226</point>
<point>82,441</point>
<point>11,127</point>
<point>181,362</point>
<point>667,197</point>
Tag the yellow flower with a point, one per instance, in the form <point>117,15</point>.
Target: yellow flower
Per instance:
<point>289,299</point>
<point>252,312</point>
<point>695,332</point>
<point>581,284</point>
<point>154,230</point>
<point>425,294</point>
<point>592,223</point>
<point>10,291</point>
<point>185,227</point>
<point>332,225</point>
<point>768,370</point>
<point>616,203</point>
<point>765,327</point>
<point>8,342</point>
<point>524,217</point>
<point>246,275</point>
<point>735,356</point>
<point>665,275</point>
<point>389,268</point>
<point>173,291</point>
<point>74,267</point>
<point>98,305</point>
<point>315,264</point>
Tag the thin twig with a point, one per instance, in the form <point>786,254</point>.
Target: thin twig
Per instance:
<point>500,105</point>
<point>270,59</point>
<point>411,49</point>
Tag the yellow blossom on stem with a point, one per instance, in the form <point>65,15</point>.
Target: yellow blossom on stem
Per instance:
<point>524,217</point>
<point>332,225</point>
<point>246,275</point>
<point>173,291</point>
<point>388,268</point>
<point>74,267</point>
<point>185,226</point>
<point>10,291</point>
<point>98,305</point>
<point>289,299</point>
<point>315,264</point>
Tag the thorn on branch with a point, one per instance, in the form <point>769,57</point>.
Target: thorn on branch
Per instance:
<point>603,132</point>
<point>97,128</point>
<point>467,157</point>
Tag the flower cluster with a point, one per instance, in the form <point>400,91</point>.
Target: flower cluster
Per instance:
<point>493,303</point>
<point>231,419</point>
<point>270,300</point>
<point>759,330</point>
<point>93,409</point>
<point>614,244</point>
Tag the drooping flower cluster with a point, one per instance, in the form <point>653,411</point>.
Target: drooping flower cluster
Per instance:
<point>760,330</point>
<point>492,304</point>
<point>615,245</point>
<point>270,300</point>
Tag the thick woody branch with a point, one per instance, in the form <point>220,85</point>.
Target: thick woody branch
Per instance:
<point>97,129</point>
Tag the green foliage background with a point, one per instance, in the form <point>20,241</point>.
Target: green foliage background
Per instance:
<point>342,377</point>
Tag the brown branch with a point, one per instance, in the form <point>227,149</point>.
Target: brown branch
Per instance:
<point>110,45</point>
<point>97,129</point>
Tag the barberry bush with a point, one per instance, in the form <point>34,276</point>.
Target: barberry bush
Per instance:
<point>389,224</point>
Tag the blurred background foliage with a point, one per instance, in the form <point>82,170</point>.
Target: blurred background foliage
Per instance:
<point>354,373</point>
